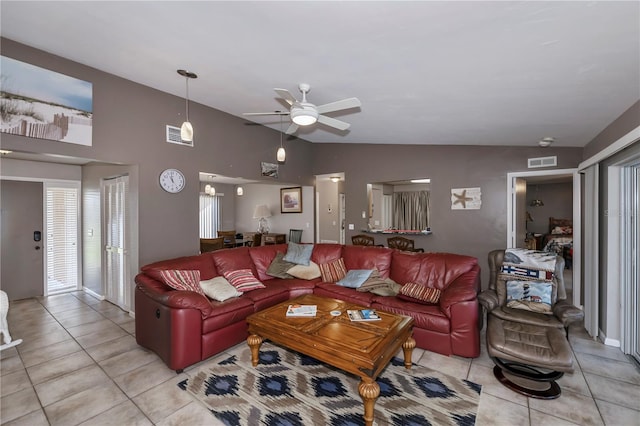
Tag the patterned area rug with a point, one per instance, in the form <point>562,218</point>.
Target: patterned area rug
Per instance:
<point>289,389</point>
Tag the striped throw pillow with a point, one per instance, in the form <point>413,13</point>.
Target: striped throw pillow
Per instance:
<point>243,280</point>
<point>419,293</point>
<point>333,271</point>
<point>182,280</point>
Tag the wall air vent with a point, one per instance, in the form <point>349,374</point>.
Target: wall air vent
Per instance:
<point>173,136</point>
<point>534,163</point>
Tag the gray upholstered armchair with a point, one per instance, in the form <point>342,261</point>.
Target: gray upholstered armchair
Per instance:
<point>528,346</point>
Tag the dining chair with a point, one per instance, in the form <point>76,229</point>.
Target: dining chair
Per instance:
<point>295,235</point>
<point>364,240</point>
<point>404,244</point>
<point>229,238</point>
<point>211,244</point>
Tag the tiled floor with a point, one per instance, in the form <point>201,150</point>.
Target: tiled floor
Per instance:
<point>79,364</point>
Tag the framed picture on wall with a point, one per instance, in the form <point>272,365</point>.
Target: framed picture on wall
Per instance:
<point>291,200</point>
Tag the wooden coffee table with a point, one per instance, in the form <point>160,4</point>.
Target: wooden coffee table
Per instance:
<point>360,348</point>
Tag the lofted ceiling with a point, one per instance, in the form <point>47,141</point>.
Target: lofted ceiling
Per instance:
<point>457,73</point>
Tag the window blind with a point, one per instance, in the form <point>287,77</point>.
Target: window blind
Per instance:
<point>62,239</point>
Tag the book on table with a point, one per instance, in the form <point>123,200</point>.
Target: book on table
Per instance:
<point>363,315</point>
<point>302,310</point>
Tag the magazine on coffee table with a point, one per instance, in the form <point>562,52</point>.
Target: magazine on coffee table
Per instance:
<point>363,315</point>
<point>302,310</point>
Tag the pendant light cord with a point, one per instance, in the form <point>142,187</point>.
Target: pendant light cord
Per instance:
<point>187,98</point>
<point>280,130</point>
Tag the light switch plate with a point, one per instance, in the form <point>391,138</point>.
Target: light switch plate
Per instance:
<point>351,227</point>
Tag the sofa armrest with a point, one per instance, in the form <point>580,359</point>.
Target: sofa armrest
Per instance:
<point>567,313</point>
<point>174,298</point>
<point>489,299</point>
<point>462,289</point>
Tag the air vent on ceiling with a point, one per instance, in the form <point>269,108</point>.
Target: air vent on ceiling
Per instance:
<point>173,136</point>
<point>542,162</point>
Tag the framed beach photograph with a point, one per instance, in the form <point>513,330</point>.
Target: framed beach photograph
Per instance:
<point>44,104</point>
<point>291,200</point>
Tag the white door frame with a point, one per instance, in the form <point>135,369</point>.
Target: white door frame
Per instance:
<point>511,219</point>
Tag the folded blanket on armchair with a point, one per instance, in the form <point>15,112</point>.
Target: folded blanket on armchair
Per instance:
<point>527,264</point>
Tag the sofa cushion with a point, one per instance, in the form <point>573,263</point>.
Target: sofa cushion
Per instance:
<point>300,254</point>
<point>226,313</point>
<point>202,262</point>
<point>182,280</point>
<point>279,267</point>
<point>266,297</point>
<point>333,271</point>
<point>243,280</point>
<point>363,257</point>
<point>429,317</point>
<point>263,256</point>
<point>310,272</point>
<point>405,266</point>
<point>355,278</point>
<point>219,289</point>
<point>347,294</point>
<point>326,252</point>
<point>419,293</point>
<point>438,270</point>
<point>233,259</point>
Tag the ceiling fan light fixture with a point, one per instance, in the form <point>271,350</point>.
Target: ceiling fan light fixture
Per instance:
<point>304,115</point>
<point>186,130</point>
<point>536,203</point>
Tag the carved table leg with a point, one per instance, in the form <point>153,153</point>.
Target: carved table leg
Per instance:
<point>254,342</point>
<point>369,391</point>
<point>407,348</point>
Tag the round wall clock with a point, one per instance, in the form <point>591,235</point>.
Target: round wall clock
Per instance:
<point>172,180</point>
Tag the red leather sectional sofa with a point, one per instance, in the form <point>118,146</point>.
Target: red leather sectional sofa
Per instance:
<point>183,327</point>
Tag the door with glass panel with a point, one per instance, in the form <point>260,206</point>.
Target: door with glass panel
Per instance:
<point>62,208</point>
<point>115,210</point>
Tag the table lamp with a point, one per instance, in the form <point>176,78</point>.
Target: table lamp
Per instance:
<point>262,212</point>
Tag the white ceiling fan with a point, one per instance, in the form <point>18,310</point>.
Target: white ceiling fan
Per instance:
<point>305,113</point>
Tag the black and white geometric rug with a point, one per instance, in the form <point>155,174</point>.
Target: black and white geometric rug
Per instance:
<point>291,389</point>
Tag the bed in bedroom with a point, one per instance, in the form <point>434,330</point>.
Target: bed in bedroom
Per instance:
<point>560,239</point>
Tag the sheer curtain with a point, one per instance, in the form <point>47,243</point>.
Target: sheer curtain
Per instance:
<point>209,216</point>
<point>411,210</point>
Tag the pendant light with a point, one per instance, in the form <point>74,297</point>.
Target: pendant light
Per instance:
<point>537,202</point>
<point>186,130</point>
<point>281,155</point>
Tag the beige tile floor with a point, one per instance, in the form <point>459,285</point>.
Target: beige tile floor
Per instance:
<point>79,364</point>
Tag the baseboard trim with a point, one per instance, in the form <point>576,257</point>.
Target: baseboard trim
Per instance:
<point>93,293</point>
<point>607,341</point>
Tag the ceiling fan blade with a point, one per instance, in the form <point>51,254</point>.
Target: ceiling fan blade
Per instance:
<point>292,129</point>
<point>267,113</point>
<point>332,122</point>
<point>284,94</point>
<point>339,105</point>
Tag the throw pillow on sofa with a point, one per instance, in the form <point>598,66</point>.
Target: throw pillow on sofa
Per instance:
<point>219,289</point>
<point>243,280</point>
<point>310,272</point>
<point>182,280</point>
<point>333,271</point>
<point>419,293</point>
<point>300,254</point>
<point>279,267</point>
<point>355,278</point>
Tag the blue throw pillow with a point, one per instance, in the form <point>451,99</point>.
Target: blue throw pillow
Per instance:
<point>532,296</point>
<point>355,278</point>
<point>300,254</point>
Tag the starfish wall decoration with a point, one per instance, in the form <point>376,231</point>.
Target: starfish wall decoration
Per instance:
<point>466,198</point>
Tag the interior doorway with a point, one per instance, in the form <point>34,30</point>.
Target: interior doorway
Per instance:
<point>116,263</point>
<point>517,217</point>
